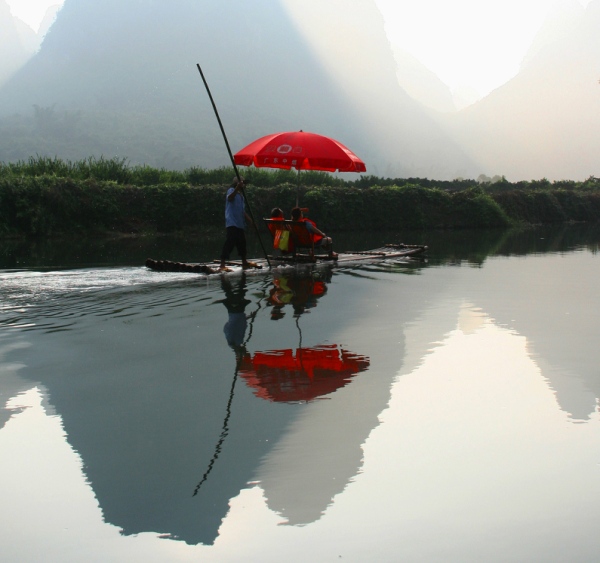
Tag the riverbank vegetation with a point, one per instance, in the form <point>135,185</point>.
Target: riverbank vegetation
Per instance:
<point>51,197</point>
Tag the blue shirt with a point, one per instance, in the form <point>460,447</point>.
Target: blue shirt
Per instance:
<point>234,211</point>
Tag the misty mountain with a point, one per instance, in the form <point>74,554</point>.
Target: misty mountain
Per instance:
<point>119,78</point>
<point>545,122</point>
<point>19,43</point>
<point>422,84</point>
<point>559,24</point>
<point>48,20</point>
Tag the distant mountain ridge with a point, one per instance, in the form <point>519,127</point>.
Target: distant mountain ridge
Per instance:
<point>19,43</point>
<point>545,122</point>
<point>118,78</point>
<point>422,84</point>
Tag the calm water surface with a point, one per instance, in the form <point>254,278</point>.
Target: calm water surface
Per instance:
<point>438,410</point>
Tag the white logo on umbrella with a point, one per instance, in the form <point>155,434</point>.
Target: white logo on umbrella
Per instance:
<point>284,149</point>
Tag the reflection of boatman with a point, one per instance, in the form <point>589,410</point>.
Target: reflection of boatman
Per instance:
<point>235,301</point>
<point>300,292</point>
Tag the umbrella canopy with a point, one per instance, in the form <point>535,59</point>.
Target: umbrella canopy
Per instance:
<point>300,375</point>
<point>299,150</point>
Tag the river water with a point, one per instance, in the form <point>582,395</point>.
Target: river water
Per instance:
<point>444,409</point>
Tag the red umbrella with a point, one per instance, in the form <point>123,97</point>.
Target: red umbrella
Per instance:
<point>300,375</point>
<point>299,150</point>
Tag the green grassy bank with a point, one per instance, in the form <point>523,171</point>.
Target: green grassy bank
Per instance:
<point>49,197</point>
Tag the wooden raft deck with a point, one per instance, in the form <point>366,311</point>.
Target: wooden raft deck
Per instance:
<point>389,251</point>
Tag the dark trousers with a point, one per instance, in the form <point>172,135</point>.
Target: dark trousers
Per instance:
<point>236,238</point>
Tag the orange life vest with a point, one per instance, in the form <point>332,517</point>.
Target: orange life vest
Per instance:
<point>315,237</point>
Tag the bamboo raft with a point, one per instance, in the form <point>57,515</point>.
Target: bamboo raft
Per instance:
<point>387,252</point>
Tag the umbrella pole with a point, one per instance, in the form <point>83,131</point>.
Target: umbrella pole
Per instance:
<point>233,163</point>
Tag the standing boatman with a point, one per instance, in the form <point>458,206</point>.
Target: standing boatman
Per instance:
<point>235,223</point>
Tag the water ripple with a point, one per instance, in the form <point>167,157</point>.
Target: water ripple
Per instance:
<point>52,301</point>
<point>55,300</point>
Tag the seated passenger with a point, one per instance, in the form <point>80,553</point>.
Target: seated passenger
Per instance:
<point>319,238</point>
<point>276,213</point>
<point>279,231</point>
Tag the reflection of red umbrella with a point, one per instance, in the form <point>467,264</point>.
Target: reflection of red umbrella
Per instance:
<point>282,375</point>
<point>299,150</point>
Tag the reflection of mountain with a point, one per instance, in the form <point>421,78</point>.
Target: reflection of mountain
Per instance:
<point>142,388</point>
<point>145,423</point>
<point>11,383</point>
<point>320,455</point>
<point>142,377</point>
<point>550,306</point>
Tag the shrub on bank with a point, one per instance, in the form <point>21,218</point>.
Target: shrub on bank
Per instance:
<point>51,206</point>
<point>48,205</point>
<point>540,207</point>
<point>53,197</point>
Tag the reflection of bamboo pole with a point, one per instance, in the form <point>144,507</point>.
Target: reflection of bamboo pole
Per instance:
<point>223,435</point>
<point>225,430</point>
<point>233,164</point>
<point>299,332</point>
<point>299,351</point>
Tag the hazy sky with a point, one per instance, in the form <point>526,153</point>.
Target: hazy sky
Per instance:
<point>469,44</point>
<point>476,44</point>
<point>31,11</point>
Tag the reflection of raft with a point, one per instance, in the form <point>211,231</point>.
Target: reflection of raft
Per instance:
<point>389,251</point>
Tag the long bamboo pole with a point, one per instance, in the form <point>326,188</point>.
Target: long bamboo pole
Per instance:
<point>233,163</point>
